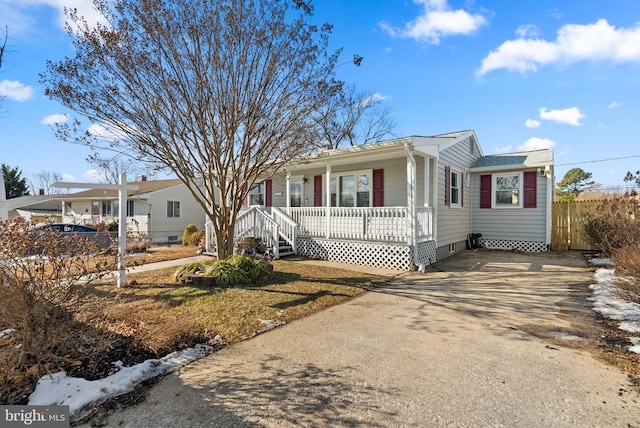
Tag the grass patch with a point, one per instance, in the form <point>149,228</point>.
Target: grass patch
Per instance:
<point>156,315</point>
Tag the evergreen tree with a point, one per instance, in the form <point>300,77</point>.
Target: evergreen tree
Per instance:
<point>574,182</point>
<point>14,184</point>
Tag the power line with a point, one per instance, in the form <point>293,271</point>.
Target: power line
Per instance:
<point>599,160</point>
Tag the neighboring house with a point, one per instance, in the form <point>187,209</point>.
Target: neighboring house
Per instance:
<point>35,208</point>
<point>402,203</point>
<point>161,209</point>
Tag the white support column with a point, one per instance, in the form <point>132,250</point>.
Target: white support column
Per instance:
<point>427,182</point>
<point>287,191</point>
<point>328,201</point>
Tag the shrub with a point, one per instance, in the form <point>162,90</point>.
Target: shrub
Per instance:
<point>195,238</point>
<point>42,278</point>
<point>615,224</point>
<point>188,231</point>
<point>232,271</point>
<point>627,259</point>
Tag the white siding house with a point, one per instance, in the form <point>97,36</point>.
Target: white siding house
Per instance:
<point>160,209</point>
<point>397,204</point>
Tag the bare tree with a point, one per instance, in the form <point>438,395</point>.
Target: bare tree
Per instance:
<point>111,167</point>
<point>44,181</point>
<point>3,43</point>
<point>220,92</point>
<point>354,117</point>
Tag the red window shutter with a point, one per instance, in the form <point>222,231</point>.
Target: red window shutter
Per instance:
<point>485,191</point>
<point>447,185</point>
<point>530,196</point>
<point>378,187</point>
<point>267,193</point>
<point>317,191</point>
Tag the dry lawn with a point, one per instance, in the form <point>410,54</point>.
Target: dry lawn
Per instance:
<point>154,315</point>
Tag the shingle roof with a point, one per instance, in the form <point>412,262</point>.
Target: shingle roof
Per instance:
<point>144,187</point>
<point>535,158</point>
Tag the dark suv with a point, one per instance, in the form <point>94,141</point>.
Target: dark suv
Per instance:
<point>100,237</point>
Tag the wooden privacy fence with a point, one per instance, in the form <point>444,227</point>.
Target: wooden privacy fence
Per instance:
<point>567,224</point>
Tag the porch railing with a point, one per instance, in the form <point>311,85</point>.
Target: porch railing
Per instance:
<point>258,224</point>
<point>390,224</point>
<point>288,229</point>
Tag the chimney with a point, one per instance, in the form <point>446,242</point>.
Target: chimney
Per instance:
<point>41,192</point>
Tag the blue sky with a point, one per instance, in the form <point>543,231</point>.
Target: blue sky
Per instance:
<point>522,74</point>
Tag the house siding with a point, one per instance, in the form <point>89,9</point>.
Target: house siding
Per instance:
<point>395,182</point>
<point>513,224</point>
<point>454,223</point>
<point>163,228</point>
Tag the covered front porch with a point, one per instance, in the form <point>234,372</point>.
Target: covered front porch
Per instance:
<point>373,204</point>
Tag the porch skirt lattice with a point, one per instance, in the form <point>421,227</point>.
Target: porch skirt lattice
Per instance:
<point>394,256</point>
<point>526,246</point>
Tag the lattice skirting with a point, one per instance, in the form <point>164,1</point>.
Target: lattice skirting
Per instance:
<point>527,246</point>
<point>382,255</point>
<point>427,252</point>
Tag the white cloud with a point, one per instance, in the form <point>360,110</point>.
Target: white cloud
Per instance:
<point>527,31</point>
<point>614,104</point>
<point>574,43</point>
<point>94,175</point>
<point>531,123</point>
<point>569,116</point>
<point>105,132</point>
<point>21,17</point>
<point>536,143</point>
<point>68,177</point>
<point>15,90</point>
<point>436,21</point>
<point>54,118</point>
<point>504,149</point>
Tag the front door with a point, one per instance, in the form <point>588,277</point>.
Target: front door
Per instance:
<point>295,194</point>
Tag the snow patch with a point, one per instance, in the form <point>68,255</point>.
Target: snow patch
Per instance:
<point>78,393</point>
<point>608,300</point>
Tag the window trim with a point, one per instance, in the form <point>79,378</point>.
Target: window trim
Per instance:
<point>355,174</point>
<point>173,201</point>
<point>263,193</point>
<point>457,204</point>
<point>494,189</point>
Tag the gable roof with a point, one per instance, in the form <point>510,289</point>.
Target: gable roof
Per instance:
<point>144,188</point>
<point>516,160</point>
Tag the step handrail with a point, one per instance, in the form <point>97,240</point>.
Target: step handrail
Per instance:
<point>288,228</point>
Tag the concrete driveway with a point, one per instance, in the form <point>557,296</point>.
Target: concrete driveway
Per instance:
<point>446,348</point>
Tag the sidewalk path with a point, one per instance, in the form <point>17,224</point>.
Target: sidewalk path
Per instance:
<point>428,350</point>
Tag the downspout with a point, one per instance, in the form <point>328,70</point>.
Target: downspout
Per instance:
<point>550,185</point>
<point>411,206</point>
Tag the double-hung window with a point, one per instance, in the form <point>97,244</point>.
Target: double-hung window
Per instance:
<point>507,190</point>
<point>173,209</point>
<point>455,184</point>
<point>256,195</point>
<point>352,189</point>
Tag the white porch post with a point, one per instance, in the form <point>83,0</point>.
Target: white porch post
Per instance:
<point>287,191</point>
<point>411,195</point>
<point>427,182</point>
<point>328,201</point>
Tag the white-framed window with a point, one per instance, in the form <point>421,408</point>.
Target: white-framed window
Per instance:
<point>454,188</point>
<point>452,247</point>
<point>130,207</point>
<point>507,190</point>
<point>173,209</point>
<point>256,195</point>
<point>107,208</point>
<point>351,189</point>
